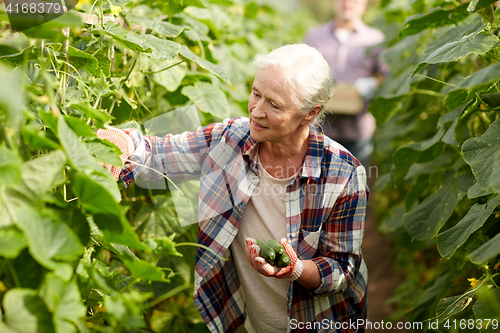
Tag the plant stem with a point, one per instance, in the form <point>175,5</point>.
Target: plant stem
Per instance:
<point>121,83</point>
<point>437,80</point>
<point>14,275</point>
<point>203,247</point>
<point>171,293</point>
<point>164,69</point>
<point>101,14</point>
<point>428,92</point>
<point>491,277</point>
<point>131,284</point>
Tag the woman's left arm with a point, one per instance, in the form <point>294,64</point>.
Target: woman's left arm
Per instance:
<point>341,240</point>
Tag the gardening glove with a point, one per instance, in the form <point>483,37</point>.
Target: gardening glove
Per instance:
<point>120,139</point>
<point>292,272</point>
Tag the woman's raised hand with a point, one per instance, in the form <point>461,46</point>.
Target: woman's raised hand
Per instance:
<point>120,139</point>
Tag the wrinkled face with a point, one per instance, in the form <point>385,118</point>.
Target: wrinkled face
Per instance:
<point>274,117</point>
<point>349,10</point>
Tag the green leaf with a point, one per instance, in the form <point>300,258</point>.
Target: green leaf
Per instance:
<point>487,307</point>
<point>472,6</point>
<point>186,3</point>
<point>80,127</point>
<point>462,132</point>
<point>144,270</point>
<point>403,54</point>
<point>77,154</point>
<point>475,191</point>
<point>162,49</point>
<point>473,23</point>
<point>476,5</point>
<point>417,312</point>
<point>97,193</point>
<point>118,230</point>
<point>99,116</point>
<point>425,219</point>
<point>449,136</point>
<point>119,3</point>
<point>450,240</point>
<point>166,246</point>
<point>163,28</point>
<point>10,163</point>
<point>38,139</point>
<point>50,120</point>
<point>64,301</point>
<point>52,30</point>
<point>159,48</point>
<point>393,220</point>
<point>11,96</point>
<point>481,153</point>
<point>208,98</point>
<point>437,17</point>
<point>12,242</point>
<point>391,96</point>
<point>492,100</point>
<point>473,43</point>
<point>105,153</point>
<point>495,175</point>
<point>26,312</point>
<point>49,240</point>
<point>478,81</point>
<point>406,156</point>
<point>450,306</point>
<point>49,165</point>
<point>421,184</point>
<point>214,69</point>
<point>171,78</point>
<point>487,251</point>
<point>122,36</point>
<point>126,308</point>
<point>83,60</point>
<point>196,30</point>
<point>157,219</point>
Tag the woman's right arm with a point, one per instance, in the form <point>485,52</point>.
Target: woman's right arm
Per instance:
<point>175,156</point>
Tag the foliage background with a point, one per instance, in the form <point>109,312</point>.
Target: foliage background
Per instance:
<point>437,148</point>
<point>79,253</point>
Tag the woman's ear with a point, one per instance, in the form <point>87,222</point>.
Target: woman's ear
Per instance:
<point>313,113</point>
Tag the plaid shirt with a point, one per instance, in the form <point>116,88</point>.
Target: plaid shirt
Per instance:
<point>325,215</point>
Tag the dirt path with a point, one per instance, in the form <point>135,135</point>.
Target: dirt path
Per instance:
<point>382,278</point>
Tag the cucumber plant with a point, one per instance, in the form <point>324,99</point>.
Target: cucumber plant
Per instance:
<point>437,148</point>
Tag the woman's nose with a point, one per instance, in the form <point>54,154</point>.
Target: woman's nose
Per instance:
<point>257,110</point>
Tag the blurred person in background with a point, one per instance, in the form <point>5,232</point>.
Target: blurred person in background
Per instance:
<point>346,44</point>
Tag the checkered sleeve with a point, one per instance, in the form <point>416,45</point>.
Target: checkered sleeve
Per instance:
<point>176,156</point>
<point>342,236</point>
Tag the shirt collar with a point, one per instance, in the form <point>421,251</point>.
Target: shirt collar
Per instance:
<point>311,165</point>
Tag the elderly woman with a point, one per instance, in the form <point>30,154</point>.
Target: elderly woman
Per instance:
<point>273,175</point>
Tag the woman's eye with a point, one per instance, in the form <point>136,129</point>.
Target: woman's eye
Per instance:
<point>274,106</point>
<point>255,94</point>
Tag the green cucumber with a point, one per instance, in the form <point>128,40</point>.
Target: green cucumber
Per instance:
<point>266,252</point>
<point>283,261</point>
<point>276,246</point>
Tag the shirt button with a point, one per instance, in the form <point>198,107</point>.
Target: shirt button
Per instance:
<point>294,234</point>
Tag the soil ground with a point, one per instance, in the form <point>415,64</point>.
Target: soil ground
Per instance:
<point>383,279</point>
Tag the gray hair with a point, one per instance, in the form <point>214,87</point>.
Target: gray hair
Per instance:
<point>307,73</point>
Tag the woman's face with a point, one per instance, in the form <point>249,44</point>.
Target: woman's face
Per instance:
<point>273,115</point>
